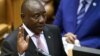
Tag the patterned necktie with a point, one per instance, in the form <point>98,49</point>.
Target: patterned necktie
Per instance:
<point>40,44</point>
<point>82,12</point>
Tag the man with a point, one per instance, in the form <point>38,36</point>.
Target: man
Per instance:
<point>25,41</point>
<point>80,20</point>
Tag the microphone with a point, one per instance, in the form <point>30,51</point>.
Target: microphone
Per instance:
<point>42,52</point>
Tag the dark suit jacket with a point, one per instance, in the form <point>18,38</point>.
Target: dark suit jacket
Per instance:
<point>54,43</point>
<point>88,31</point>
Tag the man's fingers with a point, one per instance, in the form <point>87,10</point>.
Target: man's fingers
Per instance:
<point>27,38</point>
<point>21,29</point>
<point>21,32</point>
<point>70,39</point>
<point>70,35</point>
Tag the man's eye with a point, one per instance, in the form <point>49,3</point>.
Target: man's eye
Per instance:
<point>36,16</point>
<point>44,15</point>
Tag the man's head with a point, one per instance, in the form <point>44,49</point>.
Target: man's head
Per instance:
<point>33,15</point>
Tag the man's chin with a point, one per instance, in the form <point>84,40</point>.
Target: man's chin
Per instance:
<point>40,29</point>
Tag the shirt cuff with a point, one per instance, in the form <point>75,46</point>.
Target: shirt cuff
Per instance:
<point>68,46</point>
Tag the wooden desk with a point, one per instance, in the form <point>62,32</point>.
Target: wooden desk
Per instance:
<point>3,30</point>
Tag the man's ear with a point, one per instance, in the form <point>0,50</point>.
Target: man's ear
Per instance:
<point>22,15</point>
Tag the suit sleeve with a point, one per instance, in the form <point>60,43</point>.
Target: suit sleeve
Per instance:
<point>93,42</point>
<point>7,50</point>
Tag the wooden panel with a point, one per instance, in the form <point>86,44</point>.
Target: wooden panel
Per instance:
<point>13,13</point>
<point>2,11</point>
<point>17,10</point>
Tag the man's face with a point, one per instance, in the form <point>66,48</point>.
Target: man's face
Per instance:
<point>35,19</point>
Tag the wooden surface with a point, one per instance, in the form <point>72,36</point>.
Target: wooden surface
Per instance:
<point>3,28</point>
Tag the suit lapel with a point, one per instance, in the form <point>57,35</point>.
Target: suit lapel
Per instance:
<point>49,40</point>
<point>87,15</point>
<point>32,48</point>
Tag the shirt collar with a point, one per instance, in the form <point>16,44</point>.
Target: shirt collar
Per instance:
<point>30,33</point>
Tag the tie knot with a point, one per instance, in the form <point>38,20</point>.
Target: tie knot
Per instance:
<point>37,36</point>
<point>84,2</point>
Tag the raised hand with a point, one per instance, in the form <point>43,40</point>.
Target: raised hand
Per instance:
<point>22,41</point>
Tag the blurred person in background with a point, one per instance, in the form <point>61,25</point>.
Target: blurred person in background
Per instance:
<point>51,8</point>
<point>80,19</point>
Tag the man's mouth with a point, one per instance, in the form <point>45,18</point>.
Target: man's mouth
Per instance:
<point>40,27</point>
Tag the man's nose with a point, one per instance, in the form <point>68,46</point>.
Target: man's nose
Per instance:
<point>41,19</point>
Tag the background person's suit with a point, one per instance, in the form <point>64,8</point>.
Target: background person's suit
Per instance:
<point>88,31</point>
